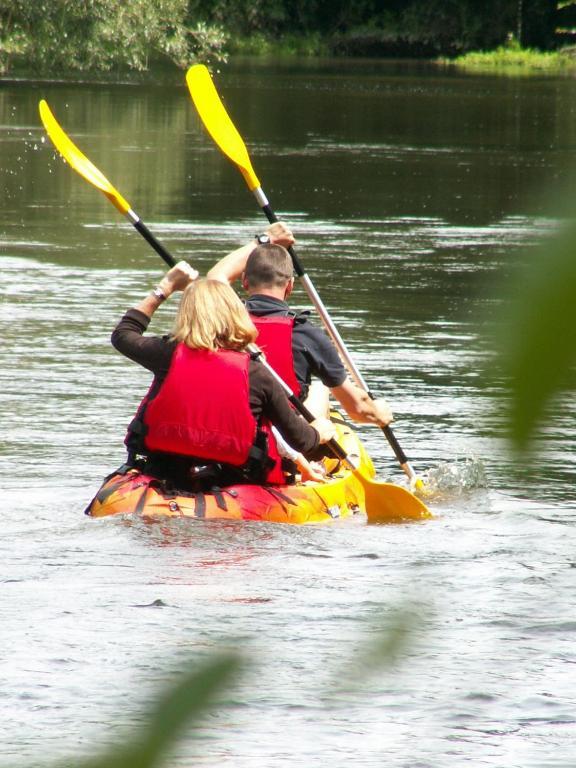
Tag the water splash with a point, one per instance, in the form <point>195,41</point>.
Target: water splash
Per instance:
<point>455,478</point>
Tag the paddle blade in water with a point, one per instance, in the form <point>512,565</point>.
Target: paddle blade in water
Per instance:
<point>78,160</point>
<point>389,503</point>
<point>217,122</point>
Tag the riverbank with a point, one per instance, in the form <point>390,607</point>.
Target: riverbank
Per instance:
<point>358,43</point>
<point>511,59</point>
<point>507,59</point>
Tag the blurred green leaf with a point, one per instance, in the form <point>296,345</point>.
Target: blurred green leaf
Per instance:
<point>384,645</point>
<point>539,345</point>
<point>179,706</point>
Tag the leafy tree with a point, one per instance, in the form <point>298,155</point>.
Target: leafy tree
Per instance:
<point>100,35</point>
<point>241,17</point>
<point>68,35</point>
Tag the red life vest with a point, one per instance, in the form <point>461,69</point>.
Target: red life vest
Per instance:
<point>275,340</point>
<point>202,409</point>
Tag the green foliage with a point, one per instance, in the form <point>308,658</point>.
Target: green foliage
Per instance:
<point>331,16</point>
<point>383,647</point>
<point>242,17</point>
<point>100,35</point>
<point>180,706</point>
<point>512,59</point>
<point>536,23</point>
<point>539,349</point>
<point>59,36</point>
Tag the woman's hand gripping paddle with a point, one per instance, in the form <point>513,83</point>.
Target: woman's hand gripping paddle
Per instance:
<point>80,163</point>
<point>219,125</point>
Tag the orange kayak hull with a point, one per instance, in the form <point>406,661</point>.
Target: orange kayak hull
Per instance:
<point>341,496</point>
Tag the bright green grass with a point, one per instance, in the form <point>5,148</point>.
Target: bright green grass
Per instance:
<point>511,59</point>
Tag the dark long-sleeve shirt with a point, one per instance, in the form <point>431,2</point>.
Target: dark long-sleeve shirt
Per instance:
<point>266,396</point>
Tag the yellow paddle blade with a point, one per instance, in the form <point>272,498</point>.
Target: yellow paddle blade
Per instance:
<point>79,161</point>
<point>389,503</point>
<point>218,123</point>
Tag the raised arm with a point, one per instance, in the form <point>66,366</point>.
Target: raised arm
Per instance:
<point>128,336</point>
<point>231,267</point>
<point>176,279</point>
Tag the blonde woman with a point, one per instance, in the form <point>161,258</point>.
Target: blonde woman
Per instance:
<point>208,414</point>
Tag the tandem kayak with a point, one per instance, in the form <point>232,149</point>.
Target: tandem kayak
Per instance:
<point>131,492</point>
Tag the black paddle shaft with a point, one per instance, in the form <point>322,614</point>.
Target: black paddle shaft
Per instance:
<point>149,237</point>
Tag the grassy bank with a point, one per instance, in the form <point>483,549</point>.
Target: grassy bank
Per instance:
<point>511,59</point>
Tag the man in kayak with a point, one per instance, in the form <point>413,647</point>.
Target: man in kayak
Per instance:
<point>296,348</point>
<point>208,415</point>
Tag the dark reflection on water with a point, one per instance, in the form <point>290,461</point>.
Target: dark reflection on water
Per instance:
<point>413,194</point>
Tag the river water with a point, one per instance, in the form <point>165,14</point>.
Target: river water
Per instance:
<point>413,194</point>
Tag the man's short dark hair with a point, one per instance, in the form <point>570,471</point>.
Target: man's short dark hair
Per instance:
<point>268,266</point>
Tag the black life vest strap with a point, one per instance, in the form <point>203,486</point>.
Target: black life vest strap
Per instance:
<point>220,500</point>
<point>259,462</point>
<point>300,316</point>
<point>280,496</point>
<point>135,435</point>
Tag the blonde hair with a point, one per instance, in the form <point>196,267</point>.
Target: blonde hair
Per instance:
<point>211,316</point>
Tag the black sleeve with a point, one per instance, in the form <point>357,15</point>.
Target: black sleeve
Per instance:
<point>267,398</point>
<point>316,355</point>
<point>151,352</point>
